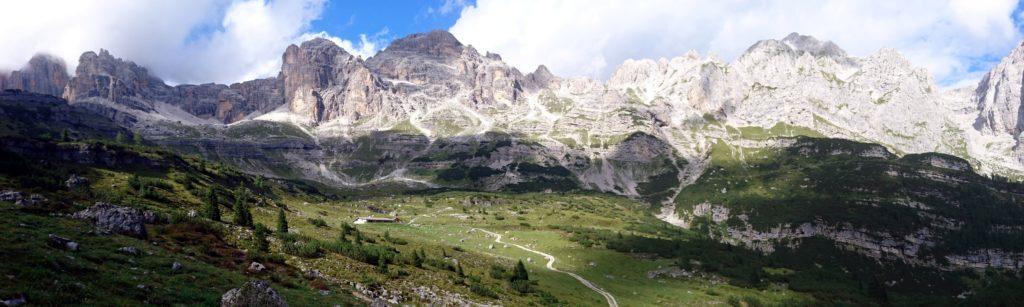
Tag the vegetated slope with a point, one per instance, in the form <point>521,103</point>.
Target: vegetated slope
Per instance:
<point>46,175</point>
<point>921,209</point>
<point>46,143</point>
<point>609,240</point>
<point>332,117</point>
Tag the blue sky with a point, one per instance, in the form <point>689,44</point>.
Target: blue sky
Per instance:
<point>383,21</point>
<point>386,19</point>
<point>227,41</point>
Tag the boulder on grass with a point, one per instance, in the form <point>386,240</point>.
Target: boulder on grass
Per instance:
<point>256,267</point>
<point>10,196</point>
<point>76,181</point>
<point>62,242</point>
<point>252,293</point>
<point>129,250</point>
<point>109,218</point>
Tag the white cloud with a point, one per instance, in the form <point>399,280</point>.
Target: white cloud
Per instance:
<point>448,6</point>
<point>365,48</point>
<point>190,41</point>
<point>590,38</point>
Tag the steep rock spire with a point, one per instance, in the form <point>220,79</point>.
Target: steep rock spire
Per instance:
<point>44,74</point>
<point>323,82</point>
<point>999,96</point>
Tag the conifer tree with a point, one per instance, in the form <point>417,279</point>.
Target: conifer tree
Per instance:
<point>345,231</point>
<point>260,242</point>
<point>212,210</point>
<point>242,215</point>
<point>521,273</point>
<point>282,222</point>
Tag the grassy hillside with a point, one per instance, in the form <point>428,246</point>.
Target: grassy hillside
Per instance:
<point>443,251</point>
<point>830,181</point>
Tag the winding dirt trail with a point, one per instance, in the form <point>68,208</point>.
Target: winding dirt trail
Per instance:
<point>551,266</point>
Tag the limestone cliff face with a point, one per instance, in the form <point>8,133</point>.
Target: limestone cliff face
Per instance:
<point>254,96</point>
<point>1001,109</point>
<point>439,67</point>
<point>124,83</point>
<point>434,85</point>
<point>323,82</point>
<point>44,74</point>
<point>999,95</point>
<point>104,76</point>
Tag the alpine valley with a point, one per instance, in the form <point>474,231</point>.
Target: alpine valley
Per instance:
<point>794,175</point>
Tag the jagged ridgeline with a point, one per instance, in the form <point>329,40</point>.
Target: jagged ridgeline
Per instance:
<point>333,117</point>
<point>792,150</point>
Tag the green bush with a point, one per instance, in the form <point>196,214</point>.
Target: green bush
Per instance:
<point>482,290</point>
<point>260,242</point>
<point>522,286</point>
<point>319,223</point>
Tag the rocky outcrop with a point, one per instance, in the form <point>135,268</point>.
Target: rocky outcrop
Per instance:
<point>253,97</point>
<point>32,201</point>
<point>989,258</point>
<point>323,82</point>
<point>75,181</point>
<point>439,67</point>
<point>540,78</point>
<point>62,242</point>
<point>44,74</point>
<point>877,244</point>
<point>1001,110</point>
<point>10,196</point>
<point>807,44</point>
<point>253,293</point>
<point>103,76</point>
<point>256,267</point>
<point>999,96</point>
<point>109,218</point>
<point>228,104</point>
<point>129,250</point>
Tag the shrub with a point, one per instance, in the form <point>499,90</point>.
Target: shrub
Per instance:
<point>260,242</point>
<point>302,249</point>
<point>211,210</point>
<point>319,223</point>
<point>499,272</point>
<point>242,215</point>
<point>521,286</point>
<point>282,222</point>
<point>482,290</point>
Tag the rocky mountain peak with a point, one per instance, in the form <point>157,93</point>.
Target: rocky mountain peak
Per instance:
<point>103,75</point>
<point>105,63</point>
<point>105,79</point>
<point>795,45</point>
<point>44,74</point>
<point>438,44</point>
<point>999,96</point>
<point>322,82</point>
<point>438,66</point>
<point>319,46</point>
<point>809,44</point>
<point>539,78</point>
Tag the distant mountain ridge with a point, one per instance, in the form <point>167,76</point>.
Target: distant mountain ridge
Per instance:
<point>789,125</point>
<point>432,85</point>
